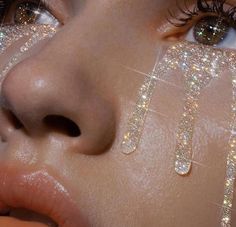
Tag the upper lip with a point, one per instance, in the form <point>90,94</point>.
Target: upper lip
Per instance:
<point>40,192</point>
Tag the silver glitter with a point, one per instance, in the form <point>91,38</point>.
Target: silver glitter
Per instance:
<point>136,121</point>
<point>231,158</point>
<point>11,34</point>
<point>198,72</point>
<point>200,64</point>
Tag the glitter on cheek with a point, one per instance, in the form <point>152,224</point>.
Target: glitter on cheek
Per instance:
<point>11,34</point>
<point>137,119</point>
<point>200,65</point>
<point>197,72</point>
<point>231,157</point>
<point>207,64</point>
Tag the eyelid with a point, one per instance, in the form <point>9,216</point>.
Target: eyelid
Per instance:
<point>169,29</point>
<point>166,29</point>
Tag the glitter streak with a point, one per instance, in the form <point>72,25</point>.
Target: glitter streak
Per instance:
<point>231,158</point>
<point>136,121</point>
<point>199,65</point>
<point>12,34</point>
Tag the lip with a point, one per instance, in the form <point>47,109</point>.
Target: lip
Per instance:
<point>40,192</point>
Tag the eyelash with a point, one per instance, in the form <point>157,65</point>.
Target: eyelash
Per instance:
<point>216,7</point>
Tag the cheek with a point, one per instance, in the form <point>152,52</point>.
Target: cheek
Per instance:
<point>94,81</point>
<point>149,172</point>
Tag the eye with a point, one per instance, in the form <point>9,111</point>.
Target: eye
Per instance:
<point>207,22</point>
<point>29,12</point>
<point>214,31</point>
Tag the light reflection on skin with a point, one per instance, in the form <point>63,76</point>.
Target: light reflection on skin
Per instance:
<point>35,34</point>
<point>102,181</point>
<point>199,65</point>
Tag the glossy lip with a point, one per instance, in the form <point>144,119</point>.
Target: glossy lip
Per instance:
<point>40,192</point>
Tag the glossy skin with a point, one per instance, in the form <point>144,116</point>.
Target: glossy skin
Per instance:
<point>82,74</point>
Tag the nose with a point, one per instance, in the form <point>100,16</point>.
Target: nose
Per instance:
<point>60,98</point>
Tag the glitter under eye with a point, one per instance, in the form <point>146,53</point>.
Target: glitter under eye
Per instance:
<point>200,64</point>
<point>12,34</point>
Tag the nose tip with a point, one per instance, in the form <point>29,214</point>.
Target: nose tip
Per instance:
<point>20,91</point>
<point>46,101</point>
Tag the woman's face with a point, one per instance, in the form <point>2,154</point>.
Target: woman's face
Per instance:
<point>66,108</point>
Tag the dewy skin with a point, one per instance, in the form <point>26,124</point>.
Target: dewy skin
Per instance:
<point>199,64</point>
<point>11,34</point>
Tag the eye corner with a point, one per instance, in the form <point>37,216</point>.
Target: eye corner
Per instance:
<point>169,32</point>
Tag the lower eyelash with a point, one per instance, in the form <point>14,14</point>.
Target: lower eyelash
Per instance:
<point>216,7</point>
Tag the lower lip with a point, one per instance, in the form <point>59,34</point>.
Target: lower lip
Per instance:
<point>40,192</point>
<point>12,222</point>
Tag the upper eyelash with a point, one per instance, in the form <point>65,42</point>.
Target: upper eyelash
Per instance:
<point>213,6</point>
<point>3,5</point>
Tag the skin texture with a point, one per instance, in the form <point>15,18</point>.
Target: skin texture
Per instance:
<point>82,74</point>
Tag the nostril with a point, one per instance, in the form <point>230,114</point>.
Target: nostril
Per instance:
<point>16,122</point>
<point>63,125</point>
<point>13,119</point>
